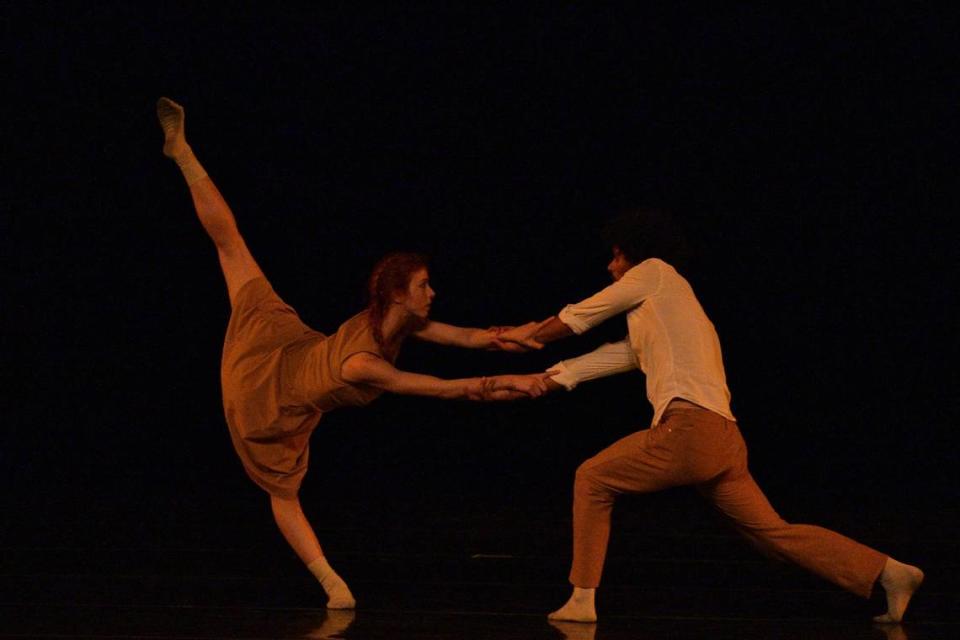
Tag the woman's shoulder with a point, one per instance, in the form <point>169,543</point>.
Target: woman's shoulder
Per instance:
<point>356,333</point>
<point>356,325</point>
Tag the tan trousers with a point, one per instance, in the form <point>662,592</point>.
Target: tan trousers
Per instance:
<point>693,446</point>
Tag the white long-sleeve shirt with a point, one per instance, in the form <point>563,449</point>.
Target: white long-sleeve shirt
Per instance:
<point>669,337</point>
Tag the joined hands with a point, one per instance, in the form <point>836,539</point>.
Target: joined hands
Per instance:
<point>495,341</point>
<point>521,338</point>
<point>515,387</point>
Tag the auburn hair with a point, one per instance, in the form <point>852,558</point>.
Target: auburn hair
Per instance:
<point>390,275</point>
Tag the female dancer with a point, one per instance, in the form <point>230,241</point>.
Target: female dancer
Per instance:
<point>279,376</point>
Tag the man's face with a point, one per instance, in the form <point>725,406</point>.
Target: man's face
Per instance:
<point>619,265</point>
<point>419,295</point>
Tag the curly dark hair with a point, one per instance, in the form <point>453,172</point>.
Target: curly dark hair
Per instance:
<point>390,275</point>
<point>642,233</point>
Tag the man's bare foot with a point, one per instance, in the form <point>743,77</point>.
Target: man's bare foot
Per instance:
<point>171,118</point>
<point>579,608</point>
<point>900,581</point>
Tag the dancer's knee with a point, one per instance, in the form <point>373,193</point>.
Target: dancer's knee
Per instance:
<point>586,482</point>
<point>238,268</point>
<point>583,473</point>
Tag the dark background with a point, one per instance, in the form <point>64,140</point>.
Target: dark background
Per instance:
<point>808,153</point>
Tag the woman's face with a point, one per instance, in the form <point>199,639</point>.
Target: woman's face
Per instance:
<point>419,295</point>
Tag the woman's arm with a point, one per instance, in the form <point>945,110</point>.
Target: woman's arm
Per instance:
<point>468,338</point>
<point>447,334</point>
<point>366,368</point>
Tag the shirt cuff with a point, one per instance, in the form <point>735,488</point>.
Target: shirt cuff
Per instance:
<point>567,317</point>
<point>565,377</point>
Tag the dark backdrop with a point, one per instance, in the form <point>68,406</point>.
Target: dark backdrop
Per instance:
<point>806,152</point>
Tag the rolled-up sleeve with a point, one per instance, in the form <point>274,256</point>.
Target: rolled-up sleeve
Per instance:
<point>606,360</point>
<point>636,285</point>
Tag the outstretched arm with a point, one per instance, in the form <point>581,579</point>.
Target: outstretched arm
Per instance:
<point>448,334</point>
<point>366,368</point>
<point>534,335</point>
<point>468,338</point>
<point>606,360</point>
<point>628,292</point>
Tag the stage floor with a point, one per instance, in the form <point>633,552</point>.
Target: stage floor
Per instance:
<point>674,571</point>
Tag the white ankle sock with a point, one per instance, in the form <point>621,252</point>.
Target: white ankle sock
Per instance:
<point>191,168</point>
<point>175,145</point>
<point>332,583</point>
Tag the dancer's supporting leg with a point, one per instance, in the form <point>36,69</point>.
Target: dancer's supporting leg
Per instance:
<point>239,267</point>
<point>634,464</point>
<point>298,532</point>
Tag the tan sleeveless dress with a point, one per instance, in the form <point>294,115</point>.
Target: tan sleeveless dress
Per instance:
<point>279,376</point>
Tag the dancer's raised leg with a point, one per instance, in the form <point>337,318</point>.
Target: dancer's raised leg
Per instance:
<point>299,534</point>
<point>237,263</point>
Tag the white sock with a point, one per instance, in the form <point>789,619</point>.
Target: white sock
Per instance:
<point>175,145</point>
<point>333,584</point>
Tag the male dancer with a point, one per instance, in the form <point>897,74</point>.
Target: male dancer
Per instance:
<point>694,439</point>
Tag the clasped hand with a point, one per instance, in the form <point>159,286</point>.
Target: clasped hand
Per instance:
<point>515,387</point>
<point>516,339</point>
